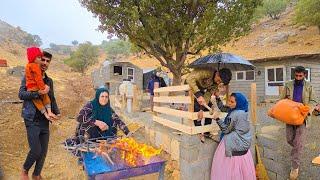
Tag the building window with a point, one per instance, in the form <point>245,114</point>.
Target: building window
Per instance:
<point>249,75</point>
<point>131,74</point>
<point>245,75</point>
<point>240,76</point>
<point>275,76</point>
<point>117,70</point>
<point>308,75</point>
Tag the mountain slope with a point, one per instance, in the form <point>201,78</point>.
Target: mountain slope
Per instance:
<point>268,38</point>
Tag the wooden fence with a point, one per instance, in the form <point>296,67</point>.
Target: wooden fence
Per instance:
<point>163,99</point>
<point>162,109</point>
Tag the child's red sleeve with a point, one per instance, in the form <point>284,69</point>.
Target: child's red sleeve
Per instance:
<point>38,75</point>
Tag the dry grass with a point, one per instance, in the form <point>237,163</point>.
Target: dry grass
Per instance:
<point>71,91</point>
<point>304,42</point>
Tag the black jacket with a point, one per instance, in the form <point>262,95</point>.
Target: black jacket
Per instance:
<point>28,108</point>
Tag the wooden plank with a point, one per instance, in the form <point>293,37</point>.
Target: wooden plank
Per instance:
<point>173,125</point>
<point>206,128</point>
<point>117,102</point>
<point>227,93</point>
<point>281,88</point>
<point>135,100</point>
<point>206,114</point>
<point>173,88</point>
<point>123,102</point>
<point>173,112</point>
<point>191,109</point>
<point>11,101</point>
<point>316,160</point>
<point>156,94</point>
<point>253,101</point>
<point>191,106</point>
<point>172,99</point>
<point>183,114</point>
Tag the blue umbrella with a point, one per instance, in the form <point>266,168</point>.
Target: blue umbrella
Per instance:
<point>223,60</point>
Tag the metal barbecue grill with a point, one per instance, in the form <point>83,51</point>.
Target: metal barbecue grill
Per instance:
<point>112,164</point>
<point>98,167</point>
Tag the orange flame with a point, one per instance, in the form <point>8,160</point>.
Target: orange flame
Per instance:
<point>133,152</point>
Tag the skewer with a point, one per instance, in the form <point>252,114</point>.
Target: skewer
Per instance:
<point>206,106</point>
<point>106,155</point>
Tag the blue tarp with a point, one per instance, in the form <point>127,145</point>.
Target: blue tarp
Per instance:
<point>95,165</point>
<point>98,168</point>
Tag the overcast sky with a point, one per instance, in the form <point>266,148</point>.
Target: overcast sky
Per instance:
<point>55,21</point>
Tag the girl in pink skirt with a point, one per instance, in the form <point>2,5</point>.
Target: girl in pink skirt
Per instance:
<point>233,159</point>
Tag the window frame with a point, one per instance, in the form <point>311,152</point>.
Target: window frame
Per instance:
<point>132,80</point>
<point>117,74</point>
<point>245,75</point>
<point>275,75</point>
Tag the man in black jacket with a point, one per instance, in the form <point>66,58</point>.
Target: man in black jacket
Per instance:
<point>37,125</point>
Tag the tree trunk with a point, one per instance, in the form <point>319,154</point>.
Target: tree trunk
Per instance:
<point>175,69</point>
<point>176,77</point>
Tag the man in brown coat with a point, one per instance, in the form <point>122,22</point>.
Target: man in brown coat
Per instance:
<point>203,83</point>
<point>298,90</point>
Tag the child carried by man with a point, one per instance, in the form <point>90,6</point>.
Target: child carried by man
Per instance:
<point>34,82</point>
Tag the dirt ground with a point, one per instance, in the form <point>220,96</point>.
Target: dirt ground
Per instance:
<point>71,91</point>
<point>14,146</point>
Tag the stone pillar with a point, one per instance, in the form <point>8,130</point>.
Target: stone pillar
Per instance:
<point>193,157</point>
<point>196,157</point>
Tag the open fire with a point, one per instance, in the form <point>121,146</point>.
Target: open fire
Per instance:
<point>119,158</point>
<point>134,153</point>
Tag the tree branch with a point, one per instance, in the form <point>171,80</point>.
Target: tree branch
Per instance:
<point>152,42</point>
<point>155,55</point>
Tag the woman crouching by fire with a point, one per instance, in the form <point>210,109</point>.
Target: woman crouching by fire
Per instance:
<point>97,120</point>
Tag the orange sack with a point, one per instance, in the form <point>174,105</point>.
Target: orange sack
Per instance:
<point>289,112</point>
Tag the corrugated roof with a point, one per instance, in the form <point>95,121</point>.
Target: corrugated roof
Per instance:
<point>315,55</point>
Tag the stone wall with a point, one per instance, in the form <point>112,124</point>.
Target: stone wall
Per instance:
<point>275,153</point>
<point>275,160</point>
<point>194,158</point>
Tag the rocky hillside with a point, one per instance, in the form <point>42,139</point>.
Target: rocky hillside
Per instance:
<point>268,38</point>
<point>11,34</point>
<point>271,38</point>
